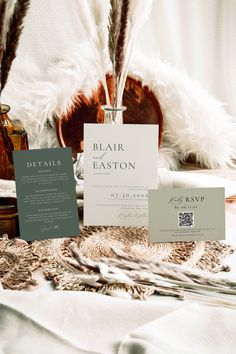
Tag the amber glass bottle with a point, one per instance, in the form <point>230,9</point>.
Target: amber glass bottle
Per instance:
<point>8,217</point>
<point>12,137</point>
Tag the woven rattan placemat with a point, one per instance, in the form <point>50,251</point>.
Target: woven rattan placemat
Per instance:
<point>58,258</point>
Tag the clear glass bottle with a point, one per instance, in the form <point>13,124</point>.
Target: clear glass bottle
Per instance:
<point>113,115</point>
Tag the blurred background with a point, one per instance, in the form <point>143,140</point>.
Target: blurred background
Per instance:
<point>196,36</point>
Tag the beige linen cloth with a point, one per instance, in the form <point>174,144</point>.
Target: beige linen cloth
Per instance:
<point>80,322</point>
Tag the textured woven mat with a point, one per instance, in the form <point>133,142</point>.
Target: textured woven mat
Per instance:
<point>17,262</point>
<point>96,243</point>
<point>56,258</point>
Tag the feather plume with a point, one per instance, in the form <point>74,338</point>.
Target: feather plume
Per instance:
<point>86,18</point>
<point>12,39</point>
<point>100,11</point>
<point>93,18</point>
<point>138,14</point>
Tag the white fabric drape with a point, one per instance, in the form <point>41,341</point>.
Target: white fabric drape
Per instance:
<point>196,36</point>
<point>73,322</point>
<point>199,37</point>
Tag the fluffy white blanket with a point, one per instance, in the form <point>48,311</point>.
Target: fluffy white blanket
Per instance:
<point>194,122</point>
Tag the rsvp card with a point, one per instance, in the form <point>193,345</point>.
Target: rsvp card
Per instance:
<point>187,214</point>
<point>120,165</point>
<point>46,197</point>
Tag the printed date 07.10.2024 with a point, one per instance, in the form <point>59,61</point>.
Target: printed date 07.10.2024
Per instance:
<point>129,196</point>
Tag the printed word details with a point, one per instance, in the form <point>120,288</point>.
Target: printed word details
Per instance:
<point>46,193</point>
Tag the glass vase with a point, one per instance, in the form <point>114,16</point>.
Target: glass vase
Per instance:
<point>113,115</point>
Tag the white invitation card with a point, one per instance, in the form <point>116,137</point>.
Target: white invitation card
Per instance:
<point>120,165</point>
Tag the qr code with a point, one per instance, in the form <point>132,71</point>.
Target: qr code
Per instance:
<point>186,219</point>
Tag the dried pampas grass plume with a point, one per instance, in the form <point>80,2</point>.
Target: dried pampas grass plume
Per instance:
<point>113,29</point>
<point>121,41</point>
<point>164,278</point>
<point>2,16</point>
<point>12,38</point>
<point>125,19</point>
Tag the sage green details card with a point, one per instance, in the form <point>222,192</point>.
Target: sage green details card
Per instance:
<point>186,214</point>
<point>46,197</point>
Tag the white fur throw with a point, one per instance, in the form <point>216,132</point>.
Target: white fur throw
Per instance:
<point>194,122</point>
